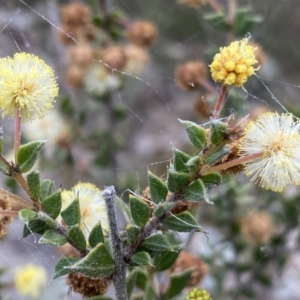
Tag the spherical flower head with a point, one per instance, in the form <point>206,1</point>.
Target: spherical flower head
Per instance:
<point>30,280</point>
<point>234,64</point>
<point>92,206</point>
<point>26,83</point>
<point>257,227</point>
<point>277,138</point>
<point>197,294</point>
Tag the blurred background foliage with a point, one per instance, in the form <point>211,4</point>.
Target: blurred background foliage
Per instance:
<point>253,235</point>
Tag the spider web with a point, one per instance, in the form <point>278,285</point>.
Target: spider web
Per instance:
<point>152,100</point>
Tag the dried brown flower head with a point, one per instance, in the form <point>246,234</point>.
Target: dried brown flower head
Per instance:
<point>86,286</point>
<point>193,3</point>
<point>75,76</point>
<point>75,14</point>
<point>185,261</point>
<point>69,33</point>
<point>4,220</point>
<point>80,56</point>
<point>142,33</point>
<point>257,227</point>
<point>114,57</point>
<point>188,75</point>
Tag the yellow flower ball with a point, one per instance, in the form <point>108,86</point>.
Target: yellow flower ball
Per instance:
<point>234,64</point>
<point>30,279</point>
<point>26,83</point>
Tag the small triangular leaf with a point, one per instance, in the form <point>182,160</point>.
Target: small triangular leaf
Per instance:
<point>195,192</point>
<point>193,164</point>
<point>52,204</point>
<point>176,181</point>
<point>158,188</point>
<point>217,131</point>
<point>157,242</point>
<point>180,160</point>
<point>178,282</point>
<point>28,154</point>
<point>142,258</point>
<point>27,215</point>
<point>35,226</point>
<point>133,232</point>
<point>211,179</point>
<point>183,222</point>
<point>164,260</point>
<point>98,263</point>
<point>76,234</point>
<point>96,236</point>
<point>52,238</point>
<point>46,189</point>
<point>196,133</point>
<point>63,266</point>
<point>33,180</point>
<point>130,281</point>
<point>217,155</point>
<point>72,214</point>
<point>140,210</point>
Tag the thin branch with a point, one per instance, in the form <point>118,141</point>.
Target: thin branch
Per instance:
<point>119,275</point>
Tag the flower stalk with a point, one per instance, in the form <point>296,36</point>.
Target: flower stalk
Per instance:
<point>220,102</point>
<point>17,138</point>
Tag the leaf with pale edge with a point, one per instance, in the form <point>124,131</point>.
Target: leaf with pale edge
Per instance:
<point>196,133</point>
<point>76,234</point>
<point>183,222</point>
<point>158,188</point>
<point>63,266</point>
<point>217,132</point>
<point>46,188</point>
<point>178,282</point>
<point>157,242</point>
<point>28,154</point>
<point>130,281</point>
<point>72,214</point>
<point>180,160</point>
<point>35,226</point>
<point>96,236</point>
<point>98,263</point>
<point>142,258</point>
<point>195,192</point>
<point>176,181</point>
<point>211,179</point>
<point>52,238</point>
<point>140,210</point>
<point>52,204</point>
<point>133,232</point>
<point>33,180</point>
<point>165,260</point>
<point>27,215</point>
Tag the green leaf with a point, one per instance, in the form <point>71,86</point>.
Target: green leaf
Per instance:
<point>141,258</point>
<point>157,242</point>
<point>98,263</point>
<point>35,226</point>
<point>33,180</point>
<point>218,131</point>
<point>96,236</point>
<point>217,21</point>
<point>211,179</point>
<point>165,260</point>
<point>149,293</point>
<point>163,208</point>
<point>183,222</point>
<point>141,279</point>
<point>52,204</point>
<point>195,192</point>
<point>180,160</point>
<point>158,188</point>
<point>47,219</point>
<point>176,181</point>
<point>76,234</point>
<point>63,266</point>
<point>217,155</point>
<point>193,164</point>
<point>130,281</point>
<point>52,238</point>
<point>133,232</point>
<point>72,214</point>
<point>28,154</point>
<point>196,133</point>
<point>46,189</point>
<point>178,282</point>
<point>27,215</point>
<point>140,211</point>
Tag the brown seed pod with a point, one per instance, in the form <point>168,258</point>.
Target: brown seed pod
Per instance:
<point>75,14</point>
<point>81,56</point>
<point>75,77</point>
<point>114,57</point>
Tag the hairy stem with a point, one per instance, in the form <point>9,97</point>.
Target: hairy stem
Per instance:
<point>219,103</point>
<point>17,133</point>
<point>119,275</point>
